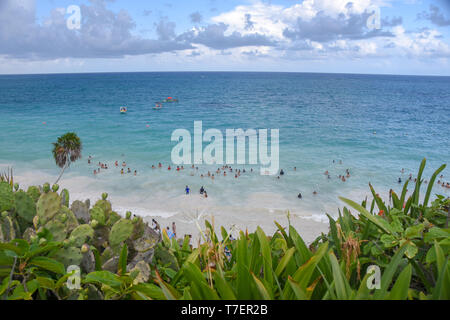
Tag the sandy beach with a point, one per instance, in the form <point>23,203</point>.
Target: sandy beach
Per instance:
<point>308,229</point>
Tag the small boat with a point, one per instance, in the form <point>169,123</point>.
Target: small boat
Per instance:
<point>123,110</point>
<point>170,99</point>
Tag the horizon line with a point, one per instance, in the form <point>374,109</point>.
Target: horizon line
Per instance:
<point>214,71</point>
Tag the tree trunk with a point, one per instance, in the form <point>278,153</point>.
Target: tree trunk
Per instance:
<point>62,171</point>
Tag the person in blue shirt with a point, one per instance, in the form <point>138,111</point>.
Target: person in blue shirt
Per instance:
<point>187,190</point>
<point>170,234</point>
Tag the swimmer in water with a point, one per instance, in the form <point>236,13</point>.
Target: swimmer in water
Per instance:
<point>129,170</point>
<point>187,190</point>
<point>124,164</point>
<point>160,165</point>
<point>399,180</point>
<point>121,171</point>
<point>95,172</point>
<point>116,163</point>
<point>315,193</point>
<point>135,172</point>
<point>169,168</point>
<point>202,190</point>
<point>299,196</point>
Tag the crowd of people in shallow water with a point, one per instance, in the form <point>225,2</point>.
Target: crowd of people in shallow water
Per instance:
<point>227,170</point>
<point>440,181</point>
<point>104,166</point>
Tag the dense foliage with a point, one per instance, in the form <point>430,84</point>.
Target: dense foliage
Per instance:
<point>122,258</point>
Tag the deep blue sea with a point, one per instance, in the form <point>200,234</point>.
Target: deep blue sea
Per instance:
<point>375,124</point>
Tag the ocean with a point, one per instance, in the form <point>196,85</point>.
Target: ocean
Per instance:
<point>372,125</point>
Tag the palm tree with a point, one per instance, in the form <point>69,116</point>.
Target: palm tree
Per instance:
<point>66,150</point>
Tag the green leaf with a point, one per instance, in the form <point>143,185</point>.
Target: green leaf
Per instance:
<point>284,261</point>
<point>411,249</point>
<point>123,260</point>
<point>103,277</point>
<point>431,184</point>
<point>222,286</point>
<point>262,289</point>
<point>267,256</point>
<point>389,272</point>
<point>400,289</point>
<point>150,290</point>
<point>414,231</point>
<point>48,264</point>
<point>379,222</point>
<point>342,287</point>
<point>298,291</point>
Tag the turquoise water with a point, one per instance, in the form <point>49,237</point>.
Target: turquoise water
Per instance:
<point>321,118</point>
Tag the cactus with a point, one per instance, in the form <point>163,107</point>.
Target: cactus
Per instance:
<point>98,214</point>
<point>105,206</point>
<point>6,197</point>
<point>113,218</point>
<point>5,214</point>
<point>55,188</point>
<point>34,193</point>
<point>81,211</point>
<point>94,223</point>
<point>7,230</point>
<point>106,255</point>
<point>143,272</point>
<point>128,215</point>
<point>65,197</point>
<point>85,248</point>
<point>29,234</point>
<point>69,256</point>
<point>46,187</point>
<point>120,232</point>
<point>57,229</point>
<point>80,235</point>
<point>138,228</point>
<point>66,216</point>
<point>25,206</point>
<point>104,196</point>
<point>16,186</point>
<point>48,206</point>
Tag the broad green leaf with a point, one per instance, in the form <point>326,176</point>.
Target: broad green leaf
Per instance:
<point>48,264</point>
<point>103,277</point>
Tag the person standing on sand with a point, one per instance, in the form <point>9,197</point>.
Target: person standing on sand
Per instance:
<point>174,229</point>
<point>202,190</point>
<point>187,190</point>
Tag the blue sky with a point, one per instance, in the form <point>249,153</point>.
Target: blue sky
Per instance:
<point>226,35</point>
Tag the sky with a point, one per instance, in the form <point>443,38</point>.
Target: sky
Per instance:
<point>337,36</point>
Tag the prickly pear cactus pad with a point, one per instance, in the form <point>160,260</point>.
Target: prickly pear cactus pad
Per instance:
<point>34,193</point>
<point>81,234</point>
<point>25,206</point>
<point>6,197</point>
<point>65,197</point>
<point>120,232</point>
<point>48,206</point>
<point>7,232</point>
<point>98,215</point>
